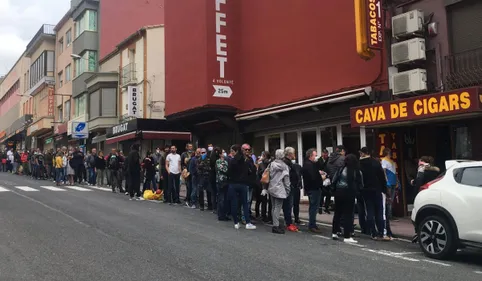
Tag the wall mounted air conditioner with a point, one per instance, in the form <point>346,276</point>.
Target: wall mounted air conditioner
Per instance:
<point>412,81</point>
<point>407,24</point>
<point>408,51</point>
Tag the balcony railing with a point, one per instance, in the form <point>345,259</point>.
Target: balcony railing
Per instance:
<point>45,29</point>
<point>463,70</point>
<point>129,74</point>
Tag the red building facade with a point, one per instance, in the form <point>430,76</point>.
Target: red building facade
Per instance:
<point>125,17</point>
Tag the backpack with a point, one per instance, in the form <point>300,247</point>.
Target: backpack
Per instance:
<point>113,162</point>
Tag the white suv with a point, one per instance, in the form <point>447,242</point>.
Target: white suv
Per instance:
<point>447,212</point>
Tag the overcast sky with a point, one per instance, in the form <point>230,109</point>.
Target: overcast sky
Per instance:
<point>20,20</point>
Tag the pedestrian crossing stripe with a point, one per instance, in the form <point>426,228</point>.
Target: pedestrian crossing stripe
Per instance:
<point>53,188</point>
<point>78,188</point>
<point>26,188</point>
<point>3,189</point>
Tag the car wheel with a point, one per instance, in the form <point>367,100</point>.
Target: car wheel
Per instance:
<point>437,237</point>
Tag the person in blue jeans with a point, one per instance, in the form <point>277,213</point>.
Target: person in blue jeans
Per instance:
<point>192,169</point>
<point>238,177</point>
<point>313,181</point>
<point>91,167</point>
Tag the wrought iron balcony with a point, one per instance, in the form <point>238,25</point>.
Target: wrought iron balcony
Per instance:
<point>129,76</point>
<point>45,31</point>
<point>463,69</point>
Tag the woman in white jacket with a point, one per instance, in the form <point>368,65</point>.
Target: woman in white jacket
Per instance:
<point>279,187</point>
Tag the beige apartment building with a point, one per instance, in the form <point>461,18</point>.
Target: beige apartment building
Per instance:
<point>13,116</point>
<point>64,75</point>
<point>41,87</point>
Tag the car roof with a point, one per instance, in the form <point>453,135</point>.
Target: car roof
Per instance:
<point>453,164</point>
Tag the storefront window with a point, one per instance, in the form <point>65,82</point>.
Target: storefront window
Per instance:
<point>351,138</point>
<point>274,143</point>
<point>308,139</point>
<point>258,146</point>
<point>463,143</point>
<point>328,138</point>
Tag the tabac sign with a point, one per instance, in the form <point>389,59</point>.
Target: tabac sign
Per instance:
<point>374,24</point>
<point>427,106</point>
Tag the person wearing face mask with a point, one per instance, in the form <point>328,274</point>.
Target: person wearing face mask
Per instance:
<point>213,154</point>
<point>203,172</point>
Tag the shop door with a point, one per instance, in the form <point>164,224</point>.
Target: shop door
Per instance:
<point>443,147</point>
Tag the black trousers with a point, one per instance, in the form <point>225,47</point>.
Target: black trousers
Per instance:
<point>296,203</point>
<point>134,184</point>
<point>344,214</point>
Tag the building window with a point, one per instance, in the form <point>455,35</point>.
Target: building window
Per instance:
<point>80,105</point>
<point>68,73</point>
<point>61,45</point>
<point>87,63</point>
<point>67,110</point>
<point>68,37</point>
<point>60,114</point>
<point>41,66</point>
<point>61,79</point>
<point>87,21</point>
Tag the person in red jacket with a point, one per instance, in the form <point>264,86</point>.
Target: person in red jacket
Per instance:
<point>24,161</point>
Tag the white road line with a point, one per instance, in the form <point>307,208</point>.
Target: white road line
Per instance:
<point>3,189</point>
<point>437,262</point>
<point>324,237</point>
<point>478,272</point>
<point>390,254</point>
<point>26,188</point>
<point>101,188</point>
<point>77,188</point>
<point>53,188</point>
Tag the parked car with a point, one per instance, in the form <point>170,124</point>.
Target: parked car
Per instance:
<point>447,212</point>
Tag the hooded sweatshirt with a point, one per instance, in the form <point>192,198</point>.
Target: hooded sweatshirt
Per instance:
<point>279,179</point>
<point>373,175</point>
<point>335,162</point>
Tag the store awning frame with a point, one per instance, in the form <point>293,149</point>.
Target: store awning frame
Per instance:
<point>153,135</point>
<point>324,99</point>
<point>99,138</point>
<point>123,137</point>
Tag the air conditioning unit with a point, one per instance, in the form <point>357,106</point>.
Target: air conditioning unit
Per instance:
<point>408,51</point>
<point>407,23</point>
<point>411,81</point>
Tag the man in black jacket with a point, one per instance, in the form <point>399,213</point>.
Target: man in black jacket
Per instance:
<point>238,179</point>
<point>374,184</point>
<point>134,171</point>
<point>313,181</point>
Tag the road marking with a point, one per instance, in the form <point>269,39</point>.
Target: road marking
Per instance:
<point>77,188</point>
<point>26,188</point>
<point>437,262</point>
<point>101,188</point>
<point>3,189</point>
<point>478,272</point>
<point>53,188</point>
<point>390,254</point>
<point>324,237</point>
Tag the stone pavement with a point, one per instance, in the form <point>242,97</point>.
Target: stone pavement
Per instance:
<point>401,228</point>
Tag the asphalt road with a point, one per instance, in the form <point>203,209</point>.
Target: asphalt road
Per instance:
<point>93,235</point>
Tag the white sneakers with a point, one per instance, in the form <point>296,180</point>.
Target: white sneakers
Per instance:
<point>249,226</point>
<point>350,241</point>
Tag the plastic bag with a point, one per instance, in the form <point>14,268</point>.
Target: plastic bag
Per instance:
<point>148,195</point>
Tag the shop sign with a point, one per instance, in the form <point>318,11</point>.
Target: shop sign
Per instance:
<point>374,24</point>
<point>122,128</point>
<point>119,129</point>
<point>48,141</point>
<point>417,108</point>
<point>80,130</point>
<point>133,101</point>
<point>51,102</point>
<point>221,85</point>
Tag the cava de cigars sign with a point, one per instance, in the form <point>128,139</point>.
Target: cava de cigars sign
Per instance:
<point>222,81</point>
<point>417,108</point>
<point>374,18</point>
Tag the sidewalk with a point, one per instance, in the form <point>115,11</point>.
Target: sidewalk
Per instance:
<point>402,228</point>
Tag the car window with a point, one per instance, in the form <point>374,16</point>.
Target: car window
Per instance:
<point>472,176</point>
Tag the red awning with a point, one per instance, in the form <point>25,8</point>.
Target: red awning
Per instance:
<point>123,137</point>
<point>153,135</point>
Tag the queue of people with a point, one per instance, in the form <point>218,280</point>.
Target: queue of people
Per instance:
<point>228,182</point>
